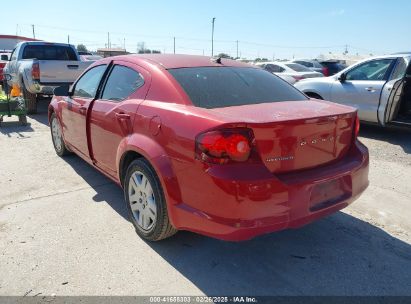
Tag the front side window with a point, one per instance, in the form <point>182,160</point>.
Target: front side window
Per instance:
<point>88,84</point>
<point>372,70</point>
<point>216,87</point>
<point>121,83</point>
<point>273,68</point>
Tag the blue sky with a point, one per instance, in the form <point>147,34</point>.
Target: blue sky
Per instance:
<point>280,29</point>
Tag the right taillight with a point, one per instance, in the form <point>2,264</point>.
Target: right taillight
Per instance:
<point>35,71</point>
<point>223,146</point>
<point>357,126</point>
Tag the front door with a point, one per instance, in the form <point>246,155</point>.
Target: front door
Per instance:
<point>112,114</point>
<point>362,87</point>
<point>74,111</point>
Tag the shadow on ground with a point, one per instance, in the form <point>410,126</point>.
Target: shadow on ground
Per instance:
<point>339,255</point>
<point>395,136</point>
<point>42,110</point>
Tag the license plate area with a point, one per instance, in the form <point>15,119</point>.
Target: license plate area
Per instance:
<point>329,193</point>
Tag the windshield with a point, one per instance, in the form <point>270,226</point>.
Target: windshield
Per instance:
<point>215,87</point>
<point>49,52</point>
<point>297,67</point>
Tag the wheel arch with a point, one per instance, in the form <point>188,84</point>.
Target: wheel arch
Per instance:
<point>141,146</point>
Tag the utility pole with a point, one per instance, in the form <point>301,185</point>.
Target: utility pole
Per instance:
<point>34,34</point>
<point>124,43</point>
<point>108,40</point>
<point>346,49</point>
<point>237,49</point>
<point>68,39</point>
<point>212,37</point>
<point>174,45</point>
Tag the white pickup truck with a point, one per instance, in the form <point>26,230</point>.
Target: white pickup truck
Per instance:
<point>39,67</point>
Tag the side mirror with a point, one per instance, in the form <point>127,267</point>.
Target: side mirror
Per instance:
<point>61,91</point>
<point>4,58</point>
<point>8,77</point>
<point>343,77</point>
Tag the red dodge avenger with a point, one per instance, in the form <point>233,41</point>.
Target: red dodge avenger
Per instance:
<point>213,146</point>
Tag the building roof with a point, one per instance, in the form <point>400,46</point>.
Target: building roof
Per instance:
<point>18,38</point>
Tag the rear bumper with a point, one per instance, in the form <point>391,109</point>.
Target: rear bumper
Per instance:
<point>258,202</point>
<point>45,88</point>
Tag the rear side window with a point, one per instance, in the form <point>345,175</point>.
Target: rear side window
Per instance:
<point>306,64</point>
<point>49,52</point>
<point>88,84</point>
<point>121,83</point>
<point>297,67</point>
<point>216,87</point>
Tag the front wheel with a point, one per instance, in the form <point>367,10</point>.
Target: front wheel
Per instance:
<point>57,137</point>
<point>146,203</point>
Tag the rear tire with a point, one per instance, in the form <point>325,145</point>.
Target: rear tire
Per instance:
<point>57,137</point>
<point>31,101</point>
<point>146,203</point>
<point>23,120</point>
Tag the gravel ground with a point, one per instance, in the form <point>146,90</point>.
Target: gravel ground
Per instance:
<point>63,231</point>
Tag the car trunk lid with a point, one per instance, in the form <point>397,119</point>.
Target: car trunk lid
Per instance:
<point>296,135</point>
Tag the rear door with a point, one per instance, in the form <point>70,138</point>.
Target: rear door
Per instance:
<point>392,92</point>
<point>112,114</point>
<point>363,87</point>
<point>74,111</point>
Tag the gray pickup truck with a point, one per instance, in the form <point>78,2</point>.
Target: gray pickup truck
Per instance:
<point>39,67</point>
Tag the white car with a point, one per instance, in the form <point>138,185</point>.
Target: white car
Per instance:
<point>379,87</point>
<point>289,71</point>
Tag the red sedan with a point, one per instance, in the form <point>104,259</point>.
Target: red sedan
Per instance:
<point>213,146</point>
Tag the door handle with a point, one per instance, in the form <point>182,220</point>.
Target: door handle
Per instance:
<point>370,89</point>
<point>72,66</point>
<point>122,116</point>
<point>82,110</point>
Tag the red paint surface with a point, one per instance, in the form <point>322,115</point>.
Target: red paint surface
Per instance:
<point>306,162</point>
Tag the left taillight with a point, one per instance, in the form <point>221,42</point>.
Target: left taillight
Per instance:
<point>223,146</point>
<point>35,71</point>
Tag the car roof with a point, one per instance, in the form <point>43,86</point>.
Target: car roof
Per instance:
<point>174,61</point>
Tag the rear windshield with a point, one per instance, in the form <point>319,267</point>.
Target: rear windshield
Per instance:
<point>216,87</point>
<point>297,67</point>
<point>49,52</point>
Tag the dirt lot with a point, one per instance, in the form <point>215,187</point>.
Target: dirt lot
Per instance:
<point>63,231</point>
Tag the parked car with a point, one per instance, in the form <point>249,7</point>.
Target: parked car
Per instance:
<point>213,146</point>
<point>90,57</point>
<point>332,67</point>
<point>312,65</point>
<point>289,71</point>
<point>39,67</point>
<point>84,53</point>
<point>379,87</point>
<point>4,57</point>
